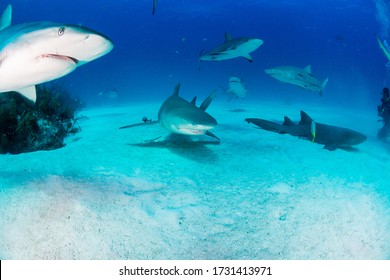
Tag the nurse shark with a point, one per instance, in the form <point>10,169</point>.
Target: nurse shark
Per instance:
<point>38,52</point>
<point>332,137</point>
<point>179,116</point>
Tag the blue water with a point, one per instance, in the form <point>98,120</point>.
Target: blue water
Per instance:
<point>152,53</point>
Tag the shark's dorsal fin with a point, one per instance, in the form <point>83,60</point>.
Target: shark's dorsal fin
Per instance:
<point>176,90</point>
<point>28,92</point>
<point>193,101</point>
<point>227,37</point>
<point>308,69</point>
<point>205,104</point>
<point>288,121</point>
<point>305,119</point>
<point>6,17</point>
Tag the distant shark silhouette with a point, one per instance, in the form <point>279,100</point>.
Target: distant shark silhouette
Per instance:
<point>298,76</point>
<point>154,6</point>
<point>182,117</point>
<point>232,48</point>
<point>236,89</point>
<point>333,137</point>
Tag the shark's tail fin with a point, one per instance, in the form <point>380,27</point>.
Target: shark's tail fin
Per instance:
<point>323,85</point>
<point>205,104</point>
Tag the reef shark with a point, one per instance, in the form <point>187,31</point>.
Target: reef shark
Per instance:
<point>332,137</point>
<point>232,48</point>
<point>383,47</point>
<point>236,89</point>
<point>179,116</point>
<point>298,76</point>
<point>38,52</point>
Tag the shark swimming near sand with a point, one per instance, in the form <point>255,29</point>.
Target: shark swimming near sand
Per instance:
<point>297,76</point>
<point>179,116</point>
<point>236,89</point>
<point>38,52</point>
<point>232,48</point>
<point>332,137</point>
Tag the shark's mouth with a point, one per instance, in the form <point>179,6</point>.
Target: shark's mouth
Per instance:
<point>193,129</point>
<point>60,57</point>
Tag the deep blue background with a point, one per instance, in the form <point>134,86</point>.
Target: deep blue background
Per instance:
<point>153,53</point>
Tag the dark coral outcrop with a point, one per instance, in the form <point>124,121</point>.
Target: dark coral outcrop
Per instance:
<point>27,127</point>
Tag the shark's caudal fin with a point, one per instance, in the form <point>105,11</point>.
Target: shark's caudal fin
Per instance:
<point>29,93</point>
<point>383,48</point>
<point>205,104</point>
<point>305,119</point>
<point>6,17</point>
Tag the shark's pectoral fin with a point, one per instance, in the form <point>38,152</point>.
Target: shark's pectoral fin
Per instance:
<point>6,17</point>
<point>138,124</point>
<point>247,57</point>
<point>212,135</point>
<point>29,93</point>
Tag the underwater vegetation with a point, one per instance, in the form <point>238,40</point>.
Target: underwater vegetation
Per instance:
<point>27,127</point>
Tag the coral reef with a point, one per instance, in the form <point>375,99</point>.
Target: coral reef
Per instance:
<point>27,127</point>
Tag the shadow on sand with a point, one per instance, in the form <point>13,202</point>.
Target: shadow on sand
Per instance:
<point>184,146</point>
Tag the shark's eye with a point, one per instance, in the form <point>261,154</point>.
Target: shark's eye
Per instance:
<point>61,31</point>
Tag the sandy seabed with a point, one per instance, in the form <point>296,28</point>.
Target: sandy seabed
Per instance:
<point>111,194</point>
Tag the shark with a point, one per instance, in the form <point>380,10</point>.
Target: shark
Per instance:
<point>297,76</point>
<point>37,52</point>
<point>236,89</point>
<point>154,6</point>
<point>232,48</point>
<point>384,48</point>
<point>332,137</point>
<point>180,116</point>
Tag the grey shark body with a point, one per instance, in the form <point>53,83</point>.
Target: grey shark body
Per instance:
<point>38,52</point>
<point>179,116</point>
<point>298,76</point>
<point>332,137</point>
<point>232,48</point>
